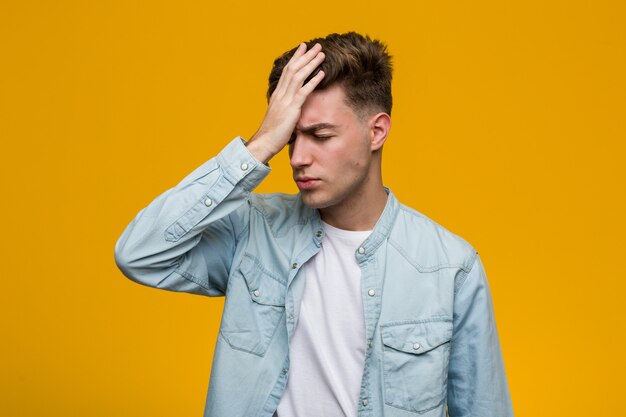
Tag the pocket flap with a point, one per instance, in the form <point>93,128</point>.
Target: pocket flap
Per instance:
<point>417,336</point>
<point>264,287</point>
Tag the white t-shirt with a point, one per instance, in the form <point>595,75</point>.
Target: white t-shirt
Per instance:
<point>327,350</point>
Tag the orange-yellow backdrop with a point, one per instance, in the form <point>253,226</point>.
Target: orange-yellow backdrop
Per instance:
<point>508,130</point>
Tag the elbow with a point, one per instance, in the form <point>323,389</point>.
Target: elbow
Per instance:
<point>121,261</point>
<point>124,261</point>
<point>136,266</point>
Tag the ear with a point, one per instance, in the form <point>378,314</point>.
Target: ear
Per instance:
<point>379,126</point>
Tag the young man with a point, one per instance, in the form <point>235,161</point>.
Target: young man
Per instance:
<point>340,301</point>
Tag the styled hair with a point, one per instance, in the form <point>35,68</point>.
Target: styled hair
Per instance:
<point>362,66</point>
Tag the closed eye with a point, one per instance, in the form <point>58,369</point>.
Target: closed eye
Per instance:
<point>316,137</point>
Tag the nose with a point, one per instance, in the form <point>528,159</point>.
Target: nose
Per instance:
<point>299,152</point>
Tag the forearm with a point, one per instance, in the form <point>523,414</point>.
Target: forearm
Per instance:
<point>184,239</point>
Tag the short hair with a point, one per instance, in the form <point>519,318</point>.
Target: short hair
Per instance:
<point>361,65</point>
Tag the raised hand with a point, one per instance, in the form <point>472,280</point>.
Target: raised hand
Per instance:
<point>286,102</point>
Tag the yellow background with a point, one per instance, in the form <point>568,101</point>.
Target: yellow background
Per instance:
<point>508,129</point>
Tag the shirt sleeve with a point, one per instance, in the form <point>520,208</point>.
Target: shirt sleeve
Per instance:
<point>185,239</point>
<point>477,383</point>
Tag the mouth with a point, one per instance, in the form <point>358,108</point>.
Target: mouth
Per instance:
<point>306,183</point>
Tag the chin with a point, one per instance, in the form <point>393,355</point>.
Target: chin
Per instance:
<point>313,202</point>
<point>318,202</point>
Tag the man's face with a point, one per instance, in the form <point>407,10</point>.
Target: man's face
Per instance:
<point>330,150</point>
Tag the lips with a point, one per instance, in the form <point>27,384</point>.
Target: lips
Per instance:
<point>306,183</point>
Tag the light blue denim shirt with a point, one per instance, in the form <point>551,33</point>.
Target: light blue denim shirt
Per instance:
<point>431,335</point>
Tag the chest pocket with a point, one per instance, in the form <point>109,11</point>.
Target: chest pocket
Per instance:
<point>415,363</point>
<point>255,304</point>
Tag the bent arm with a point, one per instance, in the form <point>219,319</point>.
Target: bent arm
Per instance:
<point>185,239</point>
<point>477,384</point>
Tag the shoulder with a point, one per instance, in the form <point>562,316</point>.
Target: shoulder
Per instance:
<point>429,245</point>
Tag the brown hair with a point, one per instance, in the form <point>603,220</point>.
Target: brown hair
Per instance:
<point>362,66</point>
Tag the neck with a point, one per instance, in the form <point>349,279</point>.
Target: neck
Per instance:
<point>360,212</point>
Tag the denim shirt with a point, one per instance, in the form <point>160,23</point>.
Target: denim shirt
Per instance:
<point>431,335</point>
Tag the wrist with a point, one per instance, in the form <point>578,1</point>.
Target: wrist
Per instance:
<point>259,149</point>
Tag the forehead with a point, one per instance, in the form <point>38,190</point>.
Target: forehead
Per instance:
<point>327,106</point>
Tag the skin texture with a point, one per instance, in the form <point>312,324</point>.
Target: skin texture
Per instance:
<point>286,102</point>
<point>334,154</point>
<point>336,160</point>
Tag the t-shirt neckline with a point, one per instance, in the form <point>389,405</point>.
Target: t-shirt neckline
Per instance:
<point>335,231</point>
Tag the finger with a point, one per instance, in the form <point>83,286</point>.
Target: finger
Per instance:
<point>298,79</point>
<point>314,63</point>
<point>306,58</point>
<point>310,86</point>
<point>300,50</point>
<point>297,61</point>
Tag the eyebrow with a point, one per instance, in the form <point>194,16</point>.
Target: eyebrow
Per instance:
<point>315,127</point>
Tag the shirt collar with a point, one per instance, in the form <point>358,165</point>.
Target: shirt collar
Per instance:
<point>381,230</point>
